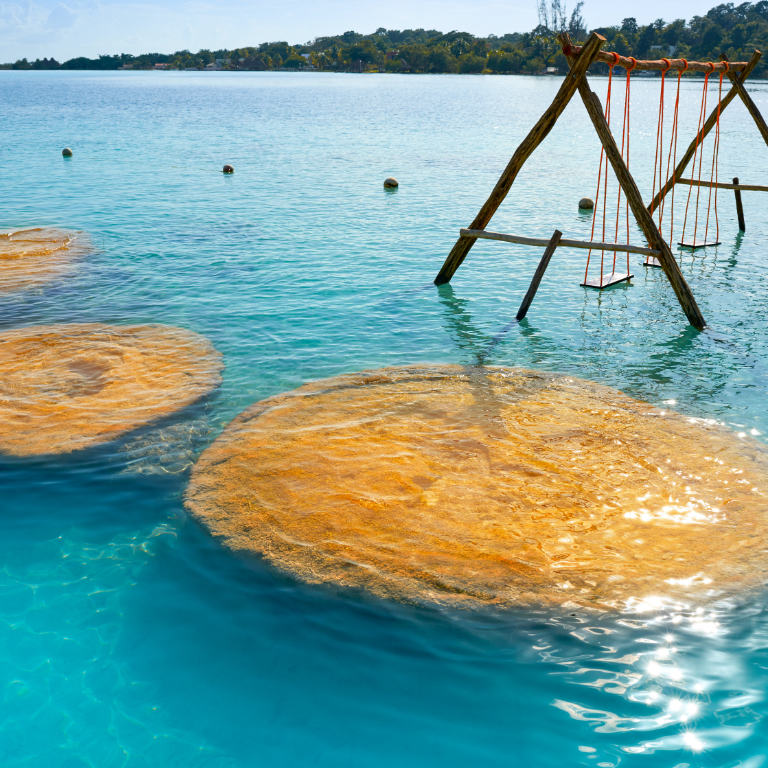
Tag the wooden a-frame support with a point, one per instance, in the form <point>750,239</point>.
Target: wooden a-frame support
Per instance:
<point>577,80</point>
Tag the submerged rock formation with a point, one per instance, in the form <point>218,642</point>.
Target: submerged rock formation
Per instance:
<point>67,387</point>
<point>31,257</point>
<point>467,486</point>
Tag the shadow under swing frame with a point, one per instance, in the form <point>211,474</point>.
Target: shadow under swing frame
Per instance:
<point>660,254</point>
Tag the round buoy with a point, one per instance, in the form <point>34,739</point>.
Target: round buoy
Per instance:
<point>391,182</point>
<point>586,204</point>
<point>490,486</point>
<point>32,257</point>
<point>68,387</point>
<point>66,152</point>
<point>228,169</point>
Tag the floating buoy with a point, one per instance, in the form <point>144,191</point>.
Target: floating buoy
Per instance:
<point>492,486</point>
<point>68,387</point>
<point>228,169</point>
<point>586,204</point>
<point>391,182</point>
<point>66,152</point>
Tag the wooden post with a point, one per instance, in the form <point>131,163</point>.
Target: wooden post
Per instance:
<point>739,209</point>
<point>538,274</point>
<point>708,126</point>
<point>537,134</point>
<point>747,99</point>
<point>635,200</point>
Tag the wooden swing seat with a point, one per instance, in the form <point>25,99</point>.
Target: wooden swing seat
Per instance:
<point>696,244</point>
<point>608,280</point>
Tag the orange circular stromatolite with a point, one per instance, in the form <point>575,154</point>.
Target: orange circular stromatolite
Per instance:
<point>477,486</point>
<point>31,257</point>
<point>67,387</point>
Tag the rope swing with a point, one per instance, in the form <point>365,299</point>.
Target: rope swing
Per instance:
<point>602,180</point>
<point>659,171</point>
<point>698,158</point>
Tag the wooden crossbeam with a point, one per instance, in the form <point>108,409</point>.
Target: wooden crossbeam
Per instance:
<point>748,103</point>
<point>635,199</point>
<point>607,57</point>
<point>537,134</point>
<point>708,126</point>
<point>483,234</point>
<point>720,185</point>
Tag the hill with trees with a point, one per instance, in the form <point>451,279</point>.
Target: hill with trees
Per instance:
<point>735,29</point>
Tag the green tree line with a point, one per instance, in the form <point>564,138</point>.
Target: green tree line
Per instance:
<point>735,29</point>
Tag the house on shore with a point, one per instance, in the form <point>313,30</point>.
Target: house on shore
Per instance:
<point>250,64</point>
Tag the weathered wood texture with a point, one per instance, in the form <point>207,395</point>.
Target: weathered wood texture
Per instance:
<point>708,126</point>
<point>748,103</point>
<point>721,185</point>
<point>482,234</point>
<point>538,274</point>
<point>606,57</point>
<point>739,207</point>
<point>524,151</point>
<point>635,200</point>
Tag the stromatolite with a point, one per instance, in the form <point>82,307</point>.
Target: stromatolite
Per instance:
<point>66,387</point>
<point>31,257</point>
<point>498,486</point>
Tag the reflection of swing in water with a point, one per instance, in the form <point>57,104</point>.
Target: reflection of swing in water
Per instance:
<point>580,59</point>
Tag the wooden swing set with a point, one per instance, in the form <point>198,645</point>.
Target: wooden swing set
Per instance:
<point>658,252</point>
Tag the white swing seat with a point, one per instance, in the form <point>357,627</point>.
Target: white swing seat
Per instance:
<point>608,280</point>
<point>695,244</point>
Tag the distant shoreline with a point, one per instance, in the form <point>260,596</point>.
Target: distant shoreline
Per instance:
<point>737,31</point>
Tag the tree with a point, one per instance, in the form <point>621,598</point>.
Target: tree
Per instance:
<point>441,60</point>
<point>471,64</point>
<point>577,27</point>
<point>629,26</point>
<point>711,39</point>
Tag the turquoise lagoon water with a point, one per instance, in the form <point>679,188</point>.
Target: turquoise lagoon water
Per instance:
<point>129,638</point>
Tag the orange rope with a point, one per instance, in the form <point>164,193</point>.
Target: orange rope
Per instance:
<point>713,176</point>
<point>607,115</point>
<point>624,135</point>
<point>672,155</point>
<point>658,165</point>
<point>700,156</point>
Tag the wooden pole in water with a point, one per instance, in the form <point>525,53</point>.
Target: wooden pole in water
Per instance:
<point>739,209</point>
<point>747,99</point>
<point>538,274</point>
<point>635,200</point>
<point>537,134</point>
<point>708,126</point>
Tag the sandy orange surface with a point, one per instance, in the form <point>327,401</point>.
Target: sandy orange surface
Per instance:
<point>31,257</point>
<point>468,486</point>
<point>66,387</point>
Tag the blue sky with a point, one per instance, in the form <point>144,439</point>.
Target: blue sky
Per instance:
<point>40,28</point>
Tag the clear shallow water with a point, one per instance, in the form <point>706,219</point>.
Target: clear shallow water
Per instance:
<point>128,637</point>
